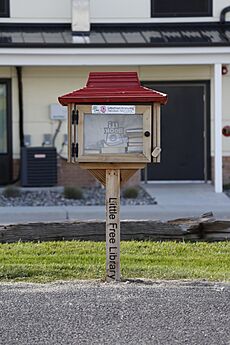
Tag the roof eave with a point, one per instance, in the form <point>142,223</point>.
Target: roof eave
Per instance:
<point>112,99</point>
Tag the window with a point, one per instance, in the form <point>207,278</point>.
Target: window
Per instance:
<point>4,8</point>
<point>113,133</point>
<point>181,8</point>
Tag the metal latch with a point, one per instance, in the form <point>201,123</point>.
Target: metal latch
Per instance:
<point>156,152</point>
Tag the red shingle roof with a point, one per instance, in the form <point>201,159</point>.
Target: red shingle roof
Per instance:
<point>113,87</point>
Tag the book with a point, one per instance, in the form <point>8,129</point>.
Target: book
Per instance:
<point>138,149</point>
<point>135,140</point>
<point>113,149</point>
<point>135,144</point>
<point>123,144</point>
<point>92,151</point>
<point>134,132</point>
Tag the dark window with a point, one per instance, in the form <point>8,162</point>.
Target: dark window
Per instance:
<point>181,8</point>
<point>4,8</point>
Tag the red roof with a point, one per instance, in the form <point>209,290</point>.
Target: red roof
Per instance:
<point>113,87</point>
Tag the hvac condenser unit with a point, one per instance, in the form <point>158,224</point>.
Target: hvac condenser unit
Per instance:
<point>38,166</point>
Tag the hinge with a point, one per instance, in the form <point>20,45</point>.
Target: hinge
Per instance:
<point>204,97</point>
<point>74,151</point>
<point>75,117</point>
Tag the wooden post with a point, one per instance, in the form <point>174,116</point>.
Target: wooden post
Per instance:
<point>112,225</point>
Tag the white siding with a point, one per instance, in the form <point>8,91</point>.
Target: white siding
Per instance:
<point>100,11</point>
<point>119,10</point>
<point>40,11</point>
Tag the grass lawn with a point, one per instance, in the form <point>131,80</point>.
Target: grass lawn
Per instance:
<point>50,261</point>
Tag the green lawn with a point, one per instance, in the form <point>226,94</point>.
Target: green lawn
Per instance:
<point>50,261</point>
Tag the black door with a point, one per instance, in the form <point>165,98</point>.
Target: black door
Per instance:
<point>184,133</point>
<point>5,132</point>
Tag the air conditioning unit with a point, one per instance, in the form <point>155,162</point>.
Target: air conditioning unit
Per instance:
<point>38,166</point>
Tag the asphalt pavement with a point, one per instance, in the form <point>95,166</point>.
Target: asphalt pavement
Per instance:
<point>173,201</point>
<point>139,313</point>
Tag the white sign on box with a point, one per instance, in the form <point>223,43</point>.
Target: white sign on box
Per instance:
<point>113,109</point>
<point>57,112</point>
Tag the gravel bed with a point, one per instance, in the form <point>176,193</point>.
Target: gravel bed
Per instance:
<point>91,197</point>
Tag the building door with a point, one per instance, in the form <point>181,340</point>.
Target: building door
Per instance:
<point>185,133</point>
<point>5,132</point>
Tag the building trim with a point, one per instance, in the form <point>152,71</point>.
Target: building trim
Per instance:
<point>118,57</point>
<point>218,169</point>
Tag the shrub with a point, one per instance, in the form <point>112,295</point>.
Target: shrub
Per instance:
<point>73,193</point>
<point>130,193</point>
<point>227,186</point>
<point>11,192</point>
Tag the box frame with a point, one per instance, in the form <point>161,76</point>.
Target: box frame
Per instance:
<point>151,124</point>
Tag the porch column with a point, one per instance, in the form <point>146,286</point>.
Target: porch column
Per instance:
<point>218,128</point>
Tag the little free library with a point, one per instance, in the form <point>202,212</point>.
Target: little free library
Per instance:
<point>113,131</point>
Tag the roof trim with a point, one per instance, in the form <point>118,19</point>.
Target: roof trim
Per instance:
<point>145,35</point>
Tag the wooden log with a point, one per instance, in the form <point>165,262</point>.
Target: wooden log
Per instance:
<point>192,229</point>
<point>218,230</point>
<point>50,231</point>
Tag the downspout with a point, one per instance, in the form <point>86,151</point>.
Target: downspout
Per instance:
<point>223,14</point>
<point>21,116</point>
<point>20,106</point>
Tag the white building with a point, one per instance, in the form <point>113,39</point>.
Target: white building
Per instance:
<point>48,48</point>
